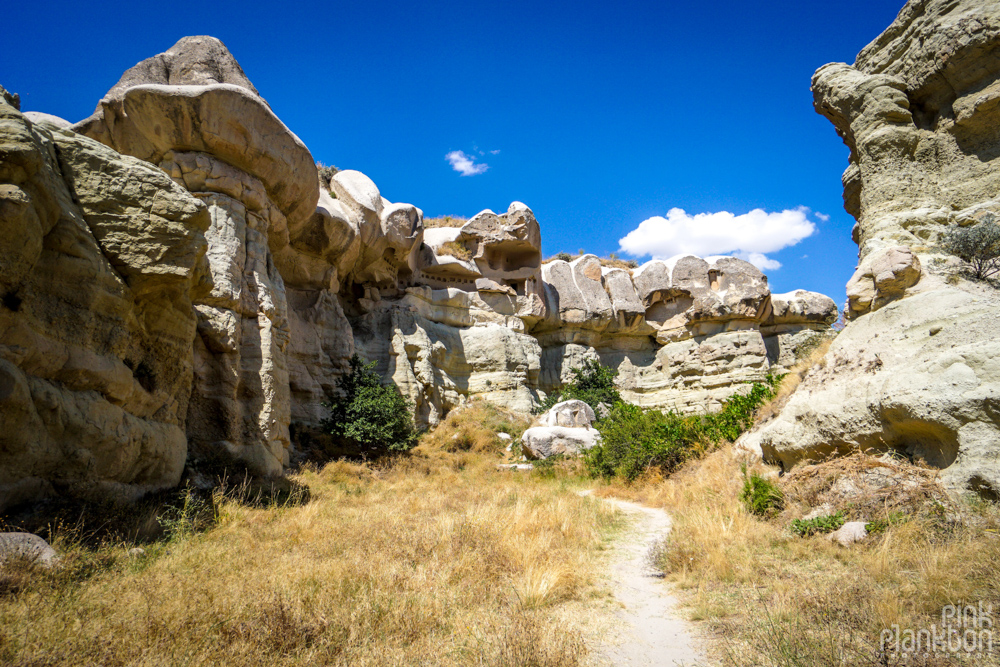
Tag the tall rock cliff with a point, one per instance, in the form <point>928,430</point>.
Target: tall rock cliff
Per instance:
<point>916,369</point>
<point>102,258</point>
<point>191,291</point>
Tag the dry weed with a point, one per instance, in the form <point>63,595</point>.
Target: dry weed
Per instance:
<point>456,250</point>
<point>445,221</point>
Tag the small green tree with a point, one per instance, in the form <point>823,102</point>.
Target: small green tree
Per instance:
<point>978,245</point>
<point>368,416</point>
<point>592,383</point>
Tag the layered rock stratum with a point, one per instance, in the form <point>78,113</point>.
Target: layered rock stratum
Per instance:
<point>916,369</point>
<point>179,288</point>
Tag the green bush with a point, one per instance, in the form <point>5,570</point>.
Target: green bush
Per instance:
<point>634,439</point>
<point>882,525</point>
<point>369,417</point>
<point>593,383</point>
<point>978,245</point>
<point>760,496</point>
<point>819,525</point>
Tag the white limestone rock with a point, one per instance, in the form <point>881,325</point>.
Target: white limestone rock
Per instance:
<point>541,442</point>
<point>849,533</point>
<point>914,371</point>
<point>28,547</point>
<point>570,414</point>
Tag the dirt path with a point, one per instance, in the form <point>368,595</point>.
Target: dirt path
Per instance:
<point>652,632</point>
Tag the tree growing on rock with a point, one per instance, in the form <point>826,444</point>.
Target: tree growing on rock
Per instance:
<point>370,417</point>
<point>978,245</point>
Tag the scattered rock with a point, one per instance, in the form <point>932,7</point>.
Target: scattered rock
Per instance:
<point>849,533</point>
<point>515,466</point>
<point>28,547</point>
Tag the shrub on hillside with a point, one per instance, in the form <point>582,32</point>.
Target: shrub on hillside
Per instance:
<point>634,439</point>
<point>760,496</point>
<point>326,173</point>
<point>978,245</point>
<point>818,525</point>
<point>593,383</point>
<point>368,416</point>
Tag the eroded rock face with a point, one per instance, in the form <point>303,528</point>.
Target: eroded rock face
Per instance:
<point>178,288</point>
<point>194,113</point>
<point>100,256</point>
<point>914,371</point>
<point>683,333</point>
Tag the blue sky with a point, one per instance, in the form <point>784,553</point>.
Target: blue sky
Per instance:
<point>597,115</point>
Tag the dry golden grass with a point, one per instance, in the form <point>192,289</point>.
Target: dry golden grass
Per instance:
<point>473,428</point>
<point>445,221</point>
<point>454,249</point>
<point>610,261</point>
<point>773,598</point>
<point>435,558</point>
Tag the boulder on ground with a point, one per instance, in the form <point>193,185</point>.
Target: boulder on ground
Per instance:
<point>541,442</point>
<point>25,546</point>
<point>849,533</point>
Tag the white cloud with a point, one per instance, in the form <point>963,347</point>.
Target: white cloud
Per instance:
<point>762,262</point>
<point>496,152</point>
<point>823,216</point>
<point>465,164</point>
<point>749,236</point>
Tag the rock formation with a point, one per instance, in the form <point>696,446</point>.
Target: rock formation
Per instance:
<point>915,370</point>
<point>178,287</point>
<point>102,258</point>
<point>565,429</point>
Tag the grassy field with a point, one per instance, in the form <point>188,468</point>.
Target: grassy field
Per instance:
<point>437,558</point>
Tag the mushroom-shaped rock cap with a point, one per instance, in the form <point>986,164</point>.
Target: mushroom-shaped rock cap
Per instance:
<point>223,120</point>
<point>198,60</point>
<point>357,191</point>
<point>800,307</point>
<point>402,226</point>
<point>575,293</point>
<point>516,227</point>
<point>39,117</point>
<point>723,288</point>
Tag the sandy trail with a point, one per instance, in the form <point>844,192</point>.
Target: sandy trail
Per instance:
<point>651,631</point>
